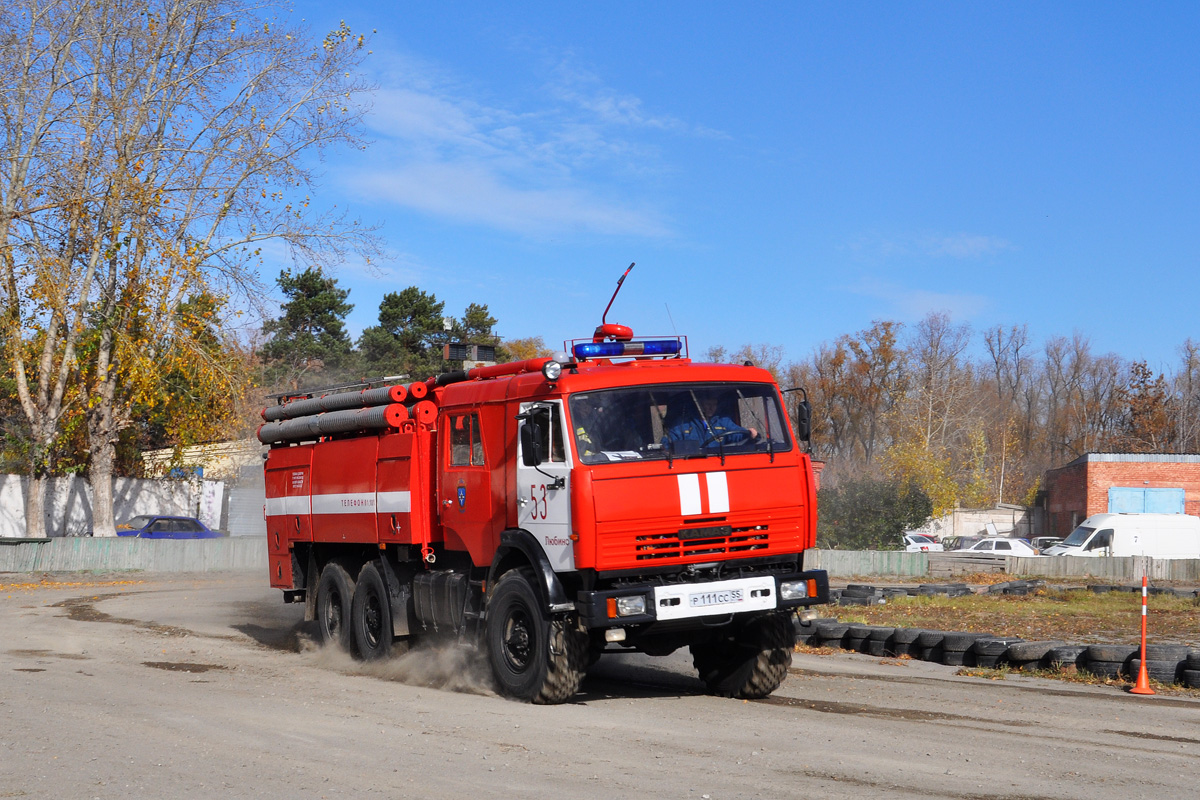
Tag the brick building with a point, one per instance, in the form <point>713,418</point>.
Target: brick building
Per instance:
<point>1120,482</point>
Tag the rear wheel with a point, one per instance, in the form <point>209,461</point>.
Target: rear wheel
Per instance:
<point>335,593</point>
<point>532,657</point>
<point>751,663</point>
<point>371,615</point>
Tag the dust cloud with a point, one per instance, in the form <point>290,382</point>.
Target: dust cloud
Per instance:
<point>445,666</point>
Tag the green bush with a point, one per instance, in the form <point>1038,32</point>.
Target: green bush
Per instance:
<point>869,515</point>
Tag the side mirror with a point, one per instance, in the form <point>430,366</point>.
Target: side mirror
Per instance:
<point>804,420</point>
<point>531,444</point>
<point>803,414</point>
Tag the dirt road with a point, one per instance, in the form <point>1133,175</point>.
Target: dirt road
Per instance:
<point>206,686</point>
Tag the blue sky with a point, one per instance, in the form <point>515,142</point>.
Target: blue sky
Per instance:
<point>783,173</point>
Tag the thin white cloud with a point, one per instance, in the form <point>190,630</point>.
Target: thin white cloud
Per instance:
<point>911,305</point>
<point>545,164</point>
<point>962,246</point>
<point>472,193</point>
<point>408,114</point>
<point>587,91</point>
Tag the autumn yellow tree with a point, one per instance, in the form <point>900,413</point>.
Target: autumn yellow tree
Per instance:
<point>163,143</point>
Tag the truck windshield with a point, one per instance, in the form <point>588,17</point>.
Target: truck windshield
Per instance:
<point>1078,536</point>
<point>677,421</point>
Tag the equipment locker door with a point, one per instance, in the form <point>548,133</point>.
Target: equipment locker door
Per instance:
<point>543,492</point>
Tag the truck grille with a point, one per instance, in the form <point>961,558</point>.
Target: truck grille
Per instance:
<point>655,546</point>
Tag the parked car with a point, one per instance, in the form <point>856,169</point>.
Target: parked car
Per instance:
<point>1002,544</point>
<point>959,542</point>
<point>919,543</point>
<point>1040,543</point>
<point>150,526</point>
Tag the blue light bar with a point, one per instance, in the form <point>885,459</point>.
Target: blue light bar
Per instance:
<point>655,347</point>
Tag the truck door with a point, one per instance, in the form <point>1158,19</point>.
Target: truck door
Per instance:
<point>543,489</point>
<point>1101,543</point>
<point>465,485</point>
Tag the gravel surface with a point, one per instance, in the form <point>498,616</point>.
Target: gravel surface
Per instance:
<point>209,686</point>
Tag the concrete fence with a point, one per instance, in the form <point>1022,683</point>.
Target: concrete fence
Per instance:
<point>898,564</point>
<point>129,554</point>
<point>848,563</point>
<point>1131,568</point>
<point>250,553</point>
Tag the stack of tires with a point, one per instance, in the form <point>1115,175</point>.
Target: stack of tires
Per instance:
<point>857,594</point>
<point>1165,663</point>
<point>1191,669</point>
<point>947,589</point>
<point>1016,587</point>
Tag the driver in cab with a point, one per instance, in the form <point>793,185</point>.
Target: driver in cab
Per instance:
<point>703,423</point>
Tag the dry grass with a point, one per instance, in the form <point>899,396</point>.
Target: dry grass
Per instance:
<point>1070,615</point>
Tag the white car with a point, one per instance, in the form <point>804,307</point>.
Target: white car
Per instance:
<point>919,543</point>
<point>1000,544</point>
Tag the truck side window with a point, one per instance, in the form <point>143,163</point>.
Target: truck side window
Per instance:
<point>476,442</point>
<point>1101,540</point>
<point>460,441</point>
<point>548,421</point>
<point>557,450</point>
<point>466,443</point>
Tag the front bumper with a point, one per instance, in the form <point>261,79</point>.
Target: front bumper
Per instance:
<point>702,600</point>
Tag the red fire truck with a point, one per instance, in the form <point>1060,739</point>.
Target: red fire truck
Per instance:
<point>550,510</point>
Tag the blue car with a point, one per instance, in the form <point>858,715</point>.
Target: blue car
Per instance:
<point>146,526</point>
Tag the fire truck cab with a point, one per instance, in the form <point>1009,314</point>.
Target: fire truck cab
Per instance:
<point>552,510</point>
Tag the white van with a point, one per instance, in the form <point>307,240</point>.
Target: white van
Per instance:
<point>1154,535</point>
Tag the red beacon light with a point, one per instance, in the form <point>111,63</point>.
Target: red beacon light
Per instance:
<point>613,331</point>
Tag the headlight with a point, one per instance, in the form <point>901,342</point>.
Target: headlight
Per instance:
<point>793,590</point>
<point>631,606</point>
<point>552,369</point>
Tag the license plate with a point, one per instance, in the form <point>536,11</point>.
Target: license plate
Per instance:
<point>724,597</point>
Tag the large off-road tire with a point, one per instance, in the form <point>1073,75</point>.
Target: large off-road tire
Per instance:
<point>749,664</point>
<point>371,615</point>
<point>532,657</point>
<point>335,595</point>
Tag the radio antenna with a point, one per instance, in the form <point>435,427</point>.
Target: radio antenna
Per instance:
<point>604,316</point>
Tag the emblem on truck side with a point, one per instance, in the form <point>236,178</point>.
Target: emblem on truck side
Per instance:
<point>462,496</point>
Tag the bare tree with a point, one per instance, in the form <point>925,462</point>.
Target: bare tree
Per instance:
<point>767,356</point>
<point>1186,398</point>
<point>941,378</point>
<point>876,383</point>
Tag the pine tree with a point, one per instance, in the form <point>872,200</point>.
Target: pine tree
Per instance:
<point>309,339</point>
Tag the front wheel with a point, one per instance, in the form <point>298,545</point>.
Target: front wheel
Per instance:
<point>749,664</point>
<point>371,615</point>
<point>532,657</point>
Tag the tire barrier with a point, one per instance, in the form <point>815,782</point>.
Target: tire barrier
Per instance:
<point>1030,655</point>
<point>988,650</point>
<point>860,594</point>
<point>1166,663</point>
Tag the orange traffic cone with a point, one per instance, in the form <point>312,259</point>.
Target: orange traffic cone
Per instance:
<point>1143,679</point>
